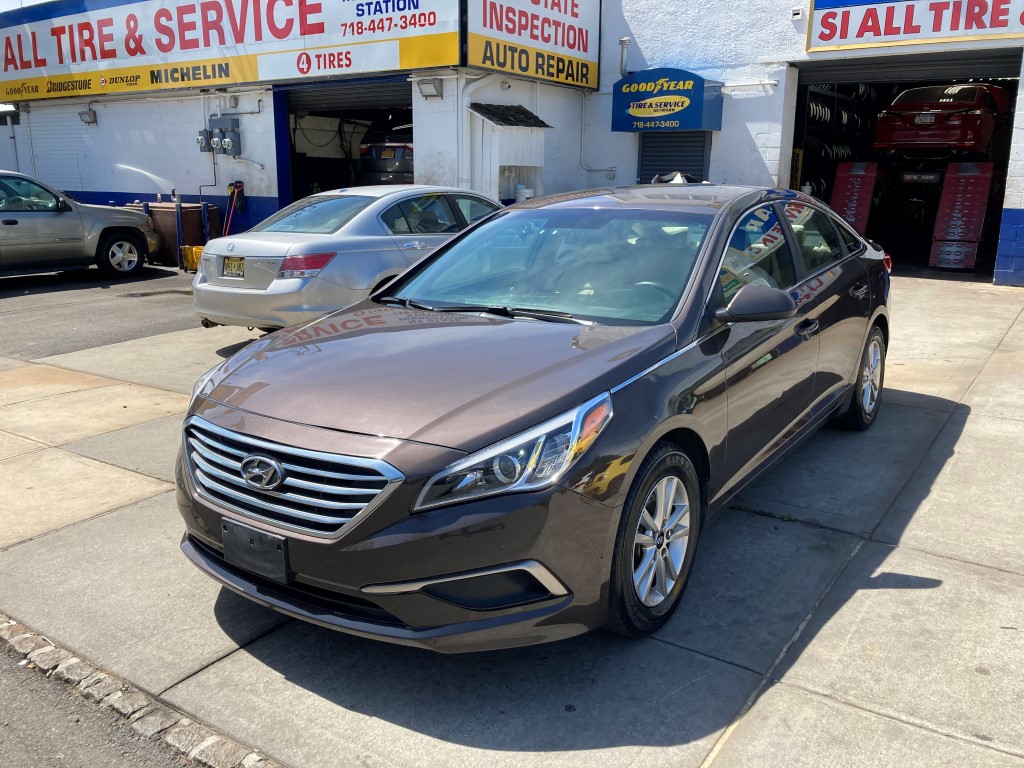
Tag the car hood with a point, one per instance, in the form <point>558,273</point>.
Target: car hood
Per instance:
<point>456,380</point>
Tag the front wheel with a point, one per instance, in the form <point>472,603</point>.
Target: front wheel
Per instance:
<point>655,544</point>
<point>120,255</point>
<point>867,395</point>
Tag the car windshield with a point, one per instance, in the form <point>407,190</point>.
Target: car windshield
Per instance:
<point>614,266</point>
<point>317,215</point>
<point>938,94</point>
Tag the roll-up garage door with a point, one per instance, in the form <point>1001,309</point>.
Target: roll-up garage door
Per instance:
<point>903,68</point>
<point>350,94</point>
<point>683,151</point>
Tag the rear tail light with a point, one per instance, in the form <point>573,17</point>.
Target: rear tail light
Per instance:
<point>364,150</point>
<point>408,148</point>
<point>305,266</point>
<point>887,260</point>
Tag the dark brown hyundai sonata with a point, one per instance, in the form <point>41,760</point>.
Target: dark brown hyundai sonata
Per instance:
<point>521,438</point>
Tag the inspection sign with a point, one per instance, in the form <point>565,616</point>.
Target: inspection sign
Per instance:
<point>556,41</point>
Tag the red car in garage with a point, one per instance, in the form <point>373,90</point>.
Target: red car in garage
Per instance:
<point>940,119</point>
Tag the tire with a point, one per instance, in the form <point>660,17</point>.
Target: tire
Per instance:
<point>867,393</point>
<point>635,610</point>
<point>120,254</point>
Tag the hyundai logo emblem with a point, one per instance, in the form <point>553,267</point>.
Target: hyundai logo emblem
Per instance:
<point>262,473</point>
<point>231,247</point>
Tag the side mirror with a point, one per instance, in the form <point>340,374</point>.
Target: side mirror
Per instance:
<point>757,302</point>
<point>63,205</point>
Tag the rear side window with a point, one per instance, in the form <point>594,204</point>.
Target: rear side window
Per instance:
<point>429,215</point>
<point>853,243</point>
<point>757,254</point>
<point>317,215</point>
<point>473,208</point>
<point>816,239</point>
<point>395,220</point>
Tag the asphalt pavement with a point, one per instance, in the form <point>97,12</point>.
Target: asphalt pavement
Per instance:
<point>861,604</point>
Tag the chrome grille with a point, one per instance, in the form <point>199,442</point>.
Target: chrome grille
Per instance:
<point>320,492</point>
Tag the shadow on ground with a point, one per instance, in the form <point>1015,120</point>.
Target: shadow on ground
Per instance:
<point>76,279</point>
<point>757,578</point>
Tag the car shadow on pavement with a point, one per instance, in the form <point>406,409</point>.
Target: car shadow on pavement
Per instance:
<point>77,279</point>
<point>765,582</point>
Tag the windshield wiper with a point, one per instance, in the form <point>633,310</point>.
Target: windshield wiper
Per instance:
<point>407,303</point>
<point>536,314</point>
<point>547,314</point>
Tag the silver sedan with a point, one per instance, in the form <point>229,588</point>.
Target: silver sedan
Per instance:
<point>327,251</point>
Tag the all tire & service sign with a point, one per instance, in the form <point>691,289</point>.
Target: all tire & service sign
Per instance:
<point>71,47</point>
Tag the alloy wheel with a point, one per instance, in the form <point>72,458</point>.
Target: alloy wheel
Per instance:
<point>871,378</point>
<point>123,255</point>
<point>660,541</point>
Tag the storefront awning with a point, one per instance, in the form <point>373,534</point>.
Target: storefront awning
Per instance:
<point>666,99</point>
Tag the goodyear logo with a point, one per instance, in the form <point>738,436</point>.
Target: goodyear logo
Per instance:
<point>658,106</point>
<point>657,86</point>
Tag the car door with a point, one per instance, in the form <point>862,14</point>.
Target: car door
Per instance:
<point>36,230</point>
<point>770,365</point>
<point>420,224</point>
<point>839,283</point>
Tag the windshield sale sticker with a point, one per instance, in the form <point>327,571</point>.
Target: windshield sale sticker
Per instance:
<point>73,48</point>
<point>842,24</point>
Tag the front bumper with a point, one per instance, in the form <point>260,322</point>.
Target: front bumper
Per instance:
<point>152,242</point>
<point>495,573</point>
<point>283,303</point>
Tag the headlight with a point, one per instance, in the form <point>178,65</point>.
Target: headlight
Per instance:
<point>526,462</point>
<point>202,385</point>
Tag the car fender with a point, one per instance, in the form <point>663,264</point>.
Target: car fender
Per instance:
<point>96,220</point>
<point>363,270</point>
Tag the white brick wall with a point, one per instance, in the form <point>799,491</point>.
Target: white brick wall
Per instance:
<point>146,145</point>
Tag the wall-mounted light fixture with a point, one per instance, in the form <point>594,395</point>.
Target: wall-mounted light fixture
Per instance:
<point>88,116</point>
<point>431,87</point>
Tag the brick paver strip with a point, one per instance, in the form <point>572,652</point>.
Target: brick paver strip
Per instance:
<point>186,736</point>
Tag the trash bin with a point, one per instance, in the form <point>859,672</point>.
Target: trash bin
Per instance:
<point>165,223</point>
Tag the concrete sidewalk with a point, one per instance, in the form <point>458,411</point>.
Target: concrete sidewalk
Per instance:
<point>861,605</point>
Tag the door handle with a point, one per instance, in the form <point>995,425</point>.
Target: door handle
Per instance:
<point>10,222</point>
<point>416,245</point>
<point>859,291</point>
<point>807,328</point>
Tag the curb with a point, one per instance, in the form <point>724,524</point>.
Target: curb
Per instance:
<point>145,715</point>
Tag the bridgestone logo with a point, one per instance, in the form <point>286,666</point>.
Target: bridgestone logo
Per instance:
<point>67,86</point>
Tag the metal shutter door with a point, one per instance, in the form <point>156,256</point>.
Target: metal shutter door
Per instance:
<point>907,67</point>
<point>360,94</point>
<point>683,151</point>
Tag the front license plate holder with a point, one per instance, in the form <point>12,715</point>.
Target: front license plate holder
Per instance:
<point>251,549</point>
<point>234,266</point>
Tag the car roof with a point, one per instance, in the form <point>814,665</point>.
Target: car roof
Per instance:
<point>664,197</point>
<point>386,190</point>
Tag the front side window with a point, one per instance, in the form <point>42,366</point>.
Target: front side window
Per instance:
<point>317,215</point>
<point>17,194</point>
<point>758,253</point>
<point>612,266</point>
